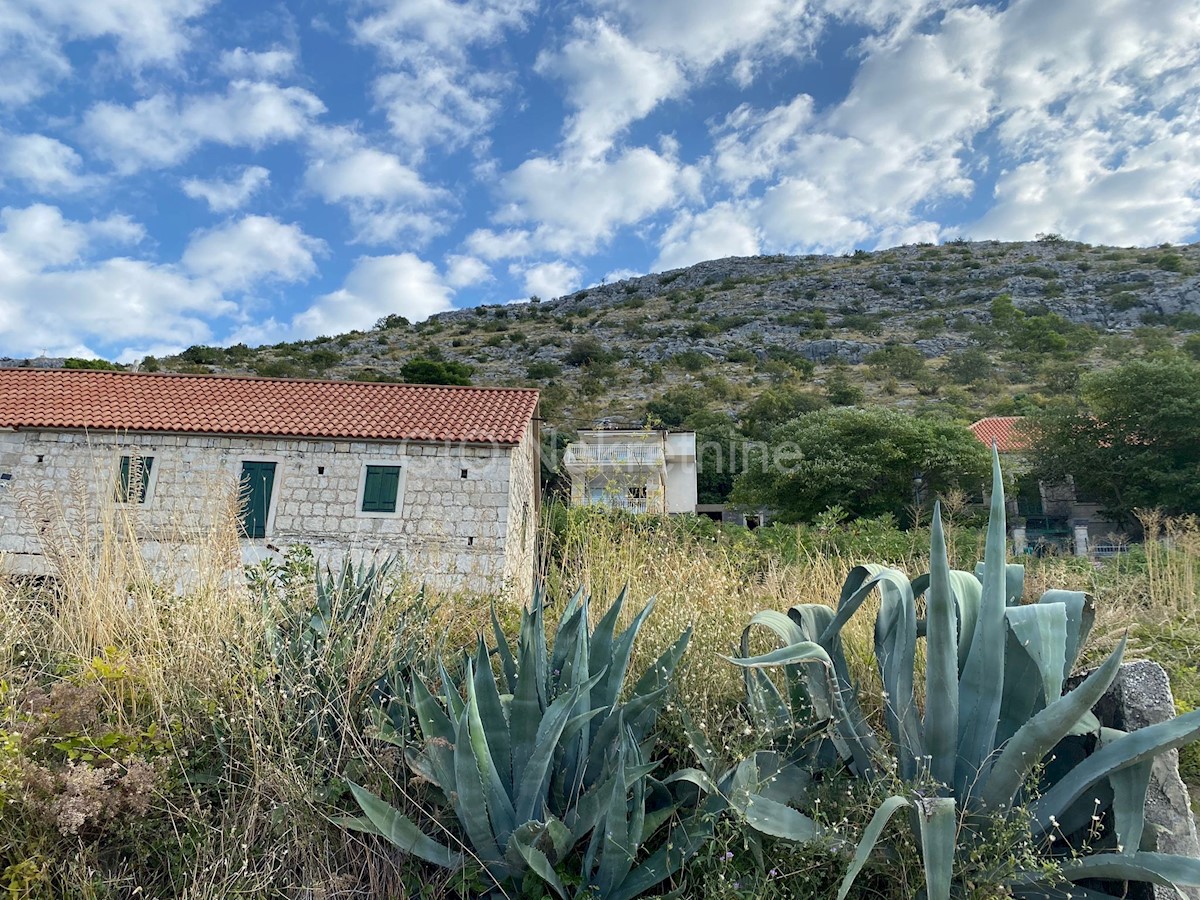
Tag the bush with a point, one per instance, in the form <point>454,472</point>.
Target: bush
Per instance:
<point>435,371</point>
<point>541,370</point>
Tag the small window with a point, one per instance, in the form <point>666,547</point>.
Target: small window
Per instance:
<point>462,473</point>
<point>134,478</point>
<point>380,489</point>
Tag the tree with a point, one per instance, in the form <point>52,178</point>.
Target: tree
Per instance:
<point>436,371</point>
<point>777,405</point>
<point>1131,440</point>
<point>867,461</point>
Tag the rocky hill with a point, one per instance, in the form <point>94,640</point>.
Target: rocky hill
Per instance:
<point>967,327</point>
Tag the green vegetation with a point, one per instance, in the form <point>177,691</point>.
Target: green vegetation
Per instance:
<point>196,734</point>
<point>865,461</point>
<point>436,371</point>
<point>1131,439</point>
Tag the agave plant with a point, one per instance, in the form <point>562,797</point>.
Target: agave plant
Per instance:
<point>314,636</point>
<point>547,758</point>
<point>994,715</point>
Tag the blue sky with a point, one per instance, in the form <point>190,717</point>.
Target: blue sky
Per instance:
<point>175,172</point>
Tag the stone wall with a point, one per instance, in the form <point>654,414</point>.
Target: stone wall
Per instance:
<point>453,507</point>
<point>522,517</point>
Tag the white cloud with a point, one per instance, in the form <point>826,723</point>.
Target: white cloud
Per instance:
<point>494,245</point>
<point>161,131</point>
<point>433,90</point>
<point>377,286</point>
<point>243,63</point>
<point>252,249</point>
<point>55,298</point>
<point>465,271</point>
<point>400,28</point>
<point>34,35</point>
<point>42,163</point>
<point>435,104</point>
<point>223,195</point>
<point>384,197</point>
<point>720,231</point>
<point>579,204</point>
<point>611,82</point>
<point>548,280</point>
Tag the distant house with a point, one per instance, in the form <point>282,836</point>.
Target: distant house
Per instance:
<point>639,470</point>
<point>445,477</point>
<point>1050,516</point>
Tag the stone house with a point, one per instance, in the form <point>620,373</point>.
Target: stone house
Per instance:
<point>639,470</point>
<point>1042,515</point>
<point>445,477</point>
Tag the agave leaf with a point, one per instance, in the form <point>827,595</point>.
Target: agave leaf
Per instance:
<point>539,864</point>
<point>804,652</point>
<point>616,850</point>
<point>508,666</point>
<point>498,798</point>
<point>1014,582</point>
<point>765,700</point>
<point>835,696</point>
<point>434,723</point>
<point>1041,630</point>
<point>869,838</point>
<point>777,819</point>
<point>1165,869</point>
<point>941,661</point>
<point>1038,736</point>
<point>1035,657</point>
<point>470,804</point>
<point>699,745</point>
<point>454,703</point>
<point>571,625</point>
<point>1133,748</point>
<point>618,660</point>
<point>767,814</point>
<point>525,710</point>
<point>1044,891</point>
<point>489,719</point>
<point>855,589</point>
<point>401,831</point>
<point>966,590</point>
<point>531,792</point>
<point>895,650</point>
<point>439,736</point>
<point>1129,803</point>
<point>1081,614</point>
<point>981,685</point>
<point>685,838</point>
<point>938,826</point>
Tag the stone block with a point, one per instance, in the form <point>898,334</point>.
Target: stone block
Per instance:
<point>1139,696</point>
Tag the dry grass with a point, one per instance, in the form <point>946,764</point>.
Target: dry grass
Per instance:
<point>178,644</point>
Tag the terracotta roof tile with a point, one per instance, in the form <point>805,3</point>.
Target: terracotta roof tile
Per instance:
<point>1003,431</point>
<point>213,404</point>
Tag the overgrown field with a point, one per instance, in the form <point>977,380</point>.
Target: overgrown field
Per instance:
<point>195,733</point>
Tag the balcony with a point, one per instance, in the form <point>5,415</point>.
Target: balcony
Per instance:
<point>581,457</point>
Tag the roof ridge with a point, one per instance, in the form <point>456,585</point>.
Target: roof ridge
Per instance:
<point>234,376</point>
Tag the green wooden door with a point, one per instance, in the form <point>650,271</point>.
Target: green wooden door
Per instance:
<point>258,479</point>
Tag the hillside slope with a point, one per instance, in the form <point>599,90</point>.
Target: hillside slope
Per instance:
<point>914,326</point>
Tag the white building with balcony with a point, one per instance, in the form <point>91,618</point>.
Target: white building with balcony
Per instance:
<point>643,470</point>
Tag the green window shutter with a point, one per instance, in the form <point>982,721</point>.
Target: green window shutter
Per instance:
<point>381,488</point>
<point>124,481</point>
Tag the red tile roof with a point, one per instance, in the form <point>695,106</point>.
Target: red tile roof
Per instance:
<point>1003,431</point>
<point>211,404</point>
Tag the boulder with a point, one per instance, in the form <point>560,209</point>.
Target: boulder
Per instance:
<point>1140,695</point>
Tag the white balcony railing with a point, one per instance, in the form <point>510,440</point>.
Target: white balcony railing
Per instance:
<point>622,455</point>
<point>629,504</point>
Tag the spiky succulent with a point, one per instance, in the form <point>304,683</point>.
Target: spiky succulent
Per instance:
<point>994,712</point>
<point>547,759</point>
